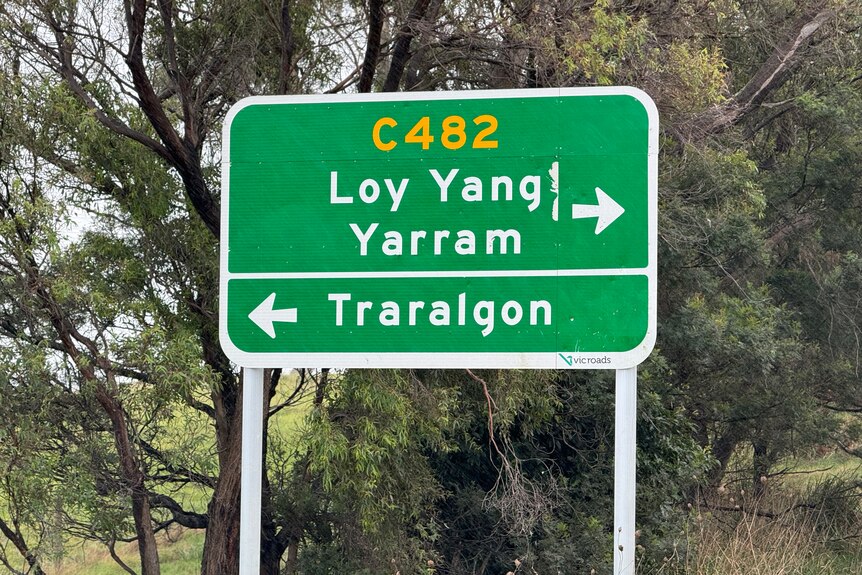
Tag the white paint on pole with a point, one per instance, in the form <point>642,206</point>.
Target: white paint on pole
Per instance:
<point>625,446</point>
<point>252,469</point>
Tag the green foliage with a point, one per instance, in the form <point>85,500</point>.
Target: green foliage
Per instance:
<point>696,75</point>
<point>535,486</point>
<point>833,507</point>
<point>366,442</point>
<point>598,46</point>
<point>109,283</point>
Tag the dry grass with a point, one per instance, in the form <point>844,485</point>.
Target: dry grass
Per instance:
<point>777,533</point>
<point>745,543</point>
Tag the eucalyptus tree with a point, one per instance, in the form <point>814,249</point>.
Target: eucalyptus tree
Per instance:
<point>111,221</point>
<point>109,165</point>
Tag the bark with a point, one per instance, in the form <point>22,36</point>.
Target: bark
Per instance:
<point>133,478</point>
<point>401,49</point>
<point>180,515</point>
<point>112,550</point>
<point>771,75</point>
<point>18,541</point>
<point>417,73</point>
<point>288,49</point>
<point>174,469</point>
<point>292,553</point>
<point>372,47</point>
<point>221,545</point>
<point>722,449</point>
<point>320,389</point>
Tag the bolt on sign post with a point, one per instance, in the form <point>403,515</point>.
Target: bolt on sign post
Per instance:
<point>496,229</point>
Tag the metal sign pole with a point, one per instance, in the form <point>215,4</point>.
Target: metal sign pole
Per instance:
<point>252,469</point>
<point>625,446</point>
<point>287,298</point>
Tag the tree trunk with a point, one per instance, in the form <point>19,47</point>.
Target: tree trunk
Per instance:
<point>133,477</point>
<point>722,449</point>
<point>401,48</point>
<point>288,50</point>
<point>761,464</point>
<point>221,545</point>
<point>769,77</point>
<point>15,537</point>
<point>376,16</point>
<point>292,553</point>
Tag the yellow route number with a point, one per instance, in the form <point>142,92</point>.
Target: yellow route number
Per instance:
<point>452,133</point>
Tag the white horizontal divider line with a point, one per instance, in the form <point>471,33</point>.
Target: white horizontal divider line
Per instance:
<point>447,273</point>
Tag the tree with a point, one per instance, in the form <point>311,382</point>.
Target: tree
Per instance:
<point>740,224</point>
<point>109,220</point>
<point>128,145</point>
<point>134,94</point>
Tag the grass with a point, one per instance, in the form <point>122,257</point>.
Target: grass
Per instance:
<point>776,533</point>
<point>749,545</point>
<point>755,540</point>
<point>804,473</point>
<point>179,549</point>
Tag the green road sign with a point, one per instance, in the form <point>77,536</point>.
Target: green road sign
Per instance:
<point>448,229</point>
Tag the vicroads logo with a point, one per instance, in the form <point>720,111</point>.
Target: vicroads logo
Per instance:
<point>572,360</point>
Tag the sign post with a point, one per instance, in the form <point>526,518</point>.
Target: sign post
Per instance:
<point>483,229</point>
<point>625,467</point>
<point>252,470</point>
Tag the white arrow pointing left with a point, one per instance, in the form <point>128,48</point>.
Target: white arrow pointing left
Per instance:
<point>264,316</point>
<point>606,212</point>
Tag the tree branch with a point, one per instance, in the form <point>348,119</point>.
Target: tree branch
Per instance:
<point>290,400</point>
<point>372,46</point>
<point>201,406</point>
<point>111,545</point>
<point>769,77</point>
<point>401,50</point>
<point>17,539</point>
<point>288,49</point>
<point>175,469</point>
<point>72,76</point>
<point>181,516</point>
<point>183,155</point>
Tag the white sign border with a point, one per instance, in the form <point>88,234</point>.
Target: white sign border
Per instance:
<point>565,359</point>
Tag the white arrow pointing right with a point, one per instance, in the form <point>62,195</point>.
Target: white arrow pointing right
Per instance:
<point>264,316</point>
<point>607,211</point>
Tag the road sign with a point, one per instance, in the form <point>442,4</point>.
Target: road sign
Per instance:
<point>447,229</point>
